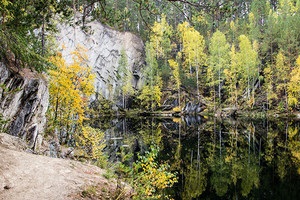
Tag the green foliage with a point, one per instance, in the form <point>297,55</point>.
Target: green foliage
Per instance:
<point>193,54</point>
<point>269,86</point>
<point>176,76</point>
<point>193,47</point>
<point>232,76</point>
<point>195,183</point>
<point>20,23</point>
<point>264,36</point>
<point>17,51</point>
<point>125,77</point>
<point>3,122</point>
<point>150,95</point>
<point>247,62</point>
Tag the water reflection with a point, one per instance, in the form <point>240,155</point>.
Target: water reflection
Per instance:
<point>215,159</point>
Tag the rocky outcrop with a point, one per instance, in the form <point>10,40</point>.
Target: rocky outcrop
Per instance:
<point>104,47</point>
<point>24,101</point>
<point>193,108</point>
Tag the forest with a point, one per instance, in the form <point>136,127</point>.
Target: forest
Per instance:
<point>240,55</point>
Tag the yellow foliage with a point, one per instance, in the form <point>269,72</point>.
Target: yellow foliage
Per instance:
<point>232,76</point>
<point>176,119</point>
<point>150,96</point>
<point>160,39</point>
<point>92,141</point>
<point>177,109</point>
<point>70,88</point>
<point>175,67</point>
<point>232,26</point>
<point>294,85</point>
<point>152,177</point>
<point>193,45</point>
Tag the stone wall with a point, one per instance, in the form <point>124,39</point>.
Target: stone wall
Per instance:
<point>24,100</point>
<point>104,47</point>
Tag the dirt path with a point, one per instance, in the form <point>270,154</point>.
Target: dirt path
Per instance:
<point>24,176</point>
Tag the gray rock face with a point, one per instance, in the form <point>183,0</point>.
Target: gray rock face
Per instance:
<point>24,101</point>
<point>104,47</point>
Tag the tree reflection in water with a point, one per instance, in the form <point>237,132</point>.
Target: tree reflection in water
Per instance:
<point>218,159</point>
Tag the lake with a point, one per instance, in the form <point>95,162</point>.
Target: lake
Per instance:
<point>215,159</point>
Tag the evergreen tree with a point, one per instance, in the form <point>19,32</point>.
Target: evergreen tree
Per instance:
<point>151,91</point>
<point>176,75</point>
<point>125,78</point>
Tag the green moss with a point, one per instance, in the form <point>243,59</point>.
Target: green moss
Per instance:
<point>90,191</point>
<point>3,122</point>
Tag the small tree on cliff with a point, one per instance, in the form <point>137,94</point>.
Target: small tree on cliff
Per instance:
<point>125,77</point>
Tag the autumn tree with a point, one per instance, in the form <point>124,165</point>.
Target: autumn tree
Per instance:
<point>70,87</point>
<point>269,86</point>
<point>294,85</point>
<point>151,178</point>
<point>176,75</point>
<point>160,41</point>
<point>232,77</point>
<point>282,71</point>
<point>247,62</point>
<point>218,61</point>
<point>91,142</point>
<point>193,46</point>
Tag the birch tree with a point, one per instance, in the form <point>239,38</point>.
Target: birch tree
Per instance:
<point>193,50</point>
<point>248,61</point>
<point>218,61</point>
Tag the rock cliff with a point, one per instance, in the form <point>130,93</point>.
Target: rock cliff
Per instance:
<point>24,101</point>
<point>104,47</point>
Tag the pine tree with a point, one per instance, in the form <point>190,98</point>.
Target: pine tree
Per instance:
<point>151,91</point>
<point>125,78</point>
<point>176,74</point>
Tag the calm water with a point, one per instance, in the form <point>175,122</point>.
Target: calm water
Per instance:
<point>217,159</point>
